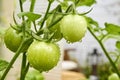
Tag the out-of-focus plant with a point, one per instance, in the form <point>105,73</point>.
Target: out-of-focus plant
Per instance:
<point>102,34</point>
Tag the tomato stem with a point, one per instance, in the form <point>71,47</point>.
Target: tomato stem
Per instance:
<point>23,66</point>
<point>21,8</point>
<point>105,51</point>
<point>12,61</point>
<point>32,5</point>
<point>24,72</point>
<point>48,8</point>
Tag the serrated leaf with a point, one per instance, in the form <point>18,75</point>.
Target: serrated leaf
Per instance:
<point>3,64</point>
<point>112,29</point>
<point>118,44</point>
<point>30,15</point>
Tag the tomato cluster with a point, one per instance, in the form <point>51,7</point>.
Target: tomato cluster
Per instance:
<point>72,27</point>
<point>44,55</point>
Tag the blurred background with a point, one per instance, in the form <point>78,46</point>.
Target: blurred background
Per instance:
<point>77,59</point>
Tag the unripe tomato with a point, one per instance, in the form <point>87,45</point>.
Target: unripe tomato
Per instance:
<point>73,27</point>
<point>12,39</point>
<point>34,75</point>
<point>113,76</point>
<point>43,56</point>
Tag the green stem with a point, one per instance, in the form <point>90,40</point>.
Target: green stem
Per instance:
<point>25,70</point>
<point>23,18</point>
<point>32,5</point>
<point>35,26</point>
<point>31,10</point>
<point>12,61</point>
<point>106,53</point>
<point>48,8</point>
<point>21,8</point>
<point>70,8</point>
<point>23,66</point>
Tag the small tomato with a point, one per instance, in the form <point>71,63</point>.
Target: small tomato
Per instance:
<point>73,27</point>
<point>12,39</point>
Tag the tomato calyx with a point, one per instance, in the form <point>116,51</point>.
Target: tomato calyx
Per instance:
<point>16,28</point>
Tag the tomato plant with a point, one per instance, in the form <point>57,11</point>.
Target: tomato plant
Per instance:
<point>36,39</point>
<point>43,56</point>
<point>73,27</point>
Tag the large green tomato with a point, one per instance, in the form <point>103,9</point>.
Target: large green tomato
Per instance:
<point>12,39</point>
<point>73,27</point>
<point>113,76</point>
<point>43,56</point>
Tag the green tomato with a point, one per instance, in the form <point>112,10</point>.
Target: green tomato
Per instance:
<point>55,27</point>
<point>73,27</point>
<point>113,76</point>
<point>12,39</point>
<point>34,75</point>
<point>43,56</point>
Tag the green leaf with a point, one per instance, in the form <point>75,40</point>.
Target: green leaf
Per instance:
<point>109,36</point>
<point>86,2</point>
<point>112,29</point>
<point>90,21</point>
<point>31,16</point>
<point>118,44</point>
<point>3,64</point>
